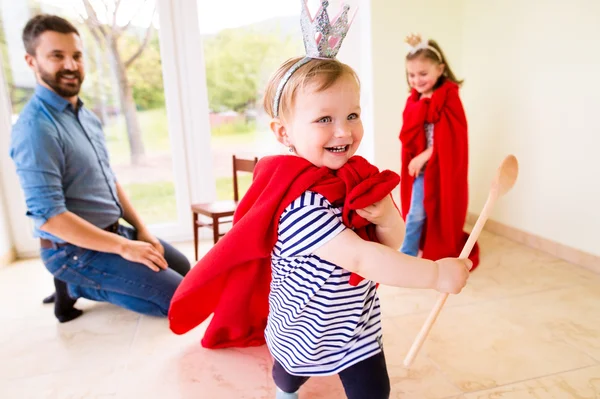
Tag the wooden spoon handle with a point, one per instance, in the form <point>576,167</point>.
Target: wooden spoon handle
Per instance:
<point>420,339</point>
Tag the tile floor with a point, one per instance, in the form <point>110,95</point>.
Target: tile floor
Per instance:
<point>527,326</point>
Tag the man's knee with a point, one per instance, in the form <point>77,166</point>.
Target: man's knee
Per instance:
<point>183,265</point>
<point>177,261</point>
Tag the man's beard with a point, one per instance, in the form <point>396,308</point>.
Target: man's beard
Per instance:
<point>62,89</point>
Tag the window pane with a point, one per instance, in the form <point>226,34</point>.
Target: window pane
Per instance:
<point>123,86</point>
<point>244,43</point>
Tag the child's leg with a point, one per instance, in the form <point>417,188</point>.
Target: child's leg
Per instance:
<point>367,379</point>
<point>415,219</point>
<point>287,384</point>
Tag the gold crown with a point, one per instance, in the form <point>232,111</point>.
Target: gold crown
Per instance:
<point>416,42</point>
<point>413,40</point>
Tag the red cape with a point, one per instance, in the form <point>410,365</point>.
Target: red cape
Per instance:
<point>446,173</point>
<point>232,280</point>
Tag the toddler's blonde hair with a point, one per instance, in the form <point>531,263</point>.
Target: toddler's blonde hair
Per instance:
<point>324,71</point>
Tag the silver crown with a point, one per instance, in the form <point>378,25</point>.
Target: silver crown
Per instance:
<point>322,38</point>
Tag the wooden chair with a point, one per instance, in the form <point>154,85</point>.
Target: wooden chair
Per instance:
<point>218,212</point>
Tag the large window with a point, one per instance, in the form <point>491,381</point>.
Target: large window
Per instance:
<point>244,42</point>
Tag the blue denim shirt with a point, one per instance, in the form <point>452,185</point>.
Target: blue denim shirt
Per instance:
<point>62,163</point>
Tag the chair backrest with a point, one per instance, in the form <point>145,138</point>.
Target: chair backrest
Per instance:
<point>241,165</point>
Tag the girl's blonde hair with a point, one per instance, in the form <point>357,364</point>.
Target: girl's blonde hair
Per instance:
<point>324,71</point>
<point>431,55</point>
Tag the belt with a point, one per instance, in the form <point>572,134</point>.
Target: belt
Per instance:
<point>47,244</point>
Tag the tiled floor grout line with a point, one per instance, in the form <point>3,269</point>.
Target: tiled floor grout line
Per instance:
<point>529,379</point>
<point>127,357</point>
<point>574,346</point>
<point>485,301</point>
<point>444,374</point>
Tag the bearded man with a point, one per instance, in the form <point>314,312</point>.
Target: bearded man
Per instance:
<point>72,195</point>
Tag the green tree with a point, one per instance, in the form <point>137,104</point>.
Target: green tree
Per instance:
<point>146,76</point>
<point>110,36</point>
<point>237,61</point>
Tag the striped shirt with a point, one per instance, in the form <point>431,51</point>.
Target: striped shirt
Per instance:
<point>318,323</point>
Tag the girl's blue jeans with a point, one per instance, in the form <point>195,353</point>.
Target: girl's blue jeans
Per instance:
<point>415,219</point>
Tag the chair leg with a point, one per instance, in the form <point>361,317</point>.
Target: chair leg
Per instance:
<point>215,229</point>
<point>195,227</point>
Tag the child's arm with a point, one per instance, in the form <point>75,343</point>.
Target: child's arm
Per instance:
<point>390,226</point>
<point>379,263</point>
<point>416,164</point>
<point>426,155</point>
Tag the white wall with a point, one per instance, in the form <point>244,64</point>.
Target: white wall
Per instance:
<point>532,88</point>
<point>356,52</point>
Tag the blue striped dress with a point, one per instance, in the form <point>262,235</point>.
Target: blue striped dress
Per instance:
<point>318,323</point>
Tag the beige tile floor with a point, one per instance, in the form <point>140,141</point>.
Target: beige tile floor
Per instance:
<point>527,326</point>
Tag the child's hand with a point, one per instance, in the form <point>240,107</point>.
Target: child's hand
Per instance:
<point>382,213</point>
<point>452,274</point>
<point>416,164</point>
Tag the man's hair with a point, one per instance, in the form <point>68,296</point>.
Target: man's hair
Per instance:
<point>43,23</point>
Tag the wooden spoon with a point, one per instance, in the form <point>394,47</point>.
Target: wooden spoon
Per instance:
<point>505,179</point>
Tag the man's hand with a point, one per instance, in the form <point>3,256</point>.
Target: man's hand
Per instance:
<point>132,217</point>
<point>144,253</point>
<point>144,235</point>
<point>382,213</point>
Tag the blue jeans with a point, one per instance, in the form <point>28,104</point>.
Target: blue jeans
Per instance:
<point>415,219</point>
<point>107,277</point>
